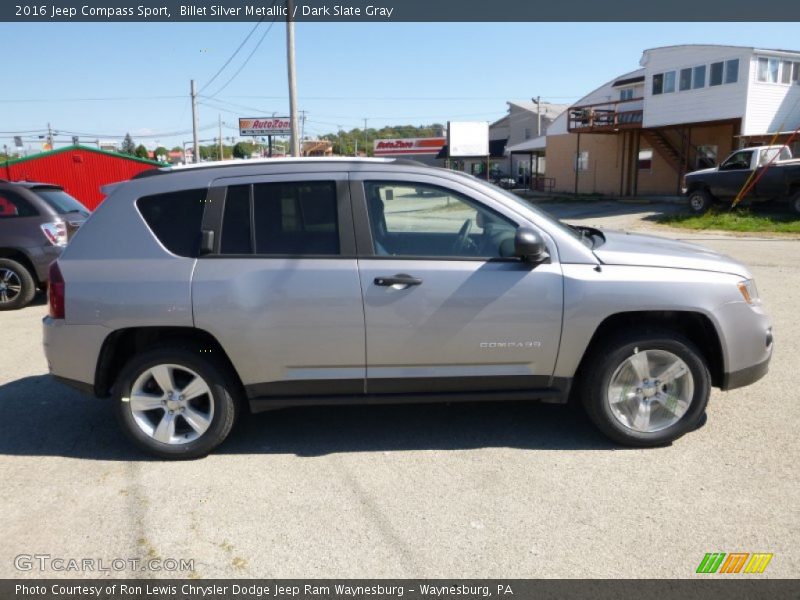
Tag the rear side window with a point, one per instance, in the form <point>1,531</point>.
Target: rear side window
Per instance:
<point>13,205</point>
<point>293,218</point>
<point>60,201</point>
<point>175,219</point>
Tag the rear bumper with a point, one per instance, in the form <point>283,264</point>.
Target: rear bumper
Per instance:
<point>72,351</point>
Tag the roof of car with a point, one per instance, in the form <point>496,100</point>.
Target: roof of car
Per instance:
<point>261,162</point>
<point>31,184</point>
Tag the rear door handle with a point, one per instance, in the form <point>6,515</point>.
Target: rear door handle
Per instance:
<point>399,279</point>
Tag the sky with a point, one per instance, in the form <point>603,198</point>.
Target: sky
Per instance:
<point>106,79</point>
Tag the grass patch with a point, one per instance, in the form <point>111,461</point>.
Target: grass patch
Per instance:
<point>735,220</point>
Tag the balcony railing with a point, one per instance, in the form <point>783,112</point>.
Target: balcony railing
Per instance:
<point>606,116</point>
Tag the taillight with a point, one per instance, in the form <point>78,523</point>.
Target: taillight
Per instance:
<point>55,291</point>
<point>55,232</point>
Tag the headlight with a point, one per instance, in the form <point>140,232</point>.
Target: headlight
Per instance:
<point>748,291</point>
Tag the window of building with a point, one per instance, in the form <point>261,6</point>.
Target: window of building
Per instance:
<point>716,73</point>
<point>706,157</point>
<point>626,94</point>
<point>732,70</point>
<point>174,218</point>
<point>768,70</point>
<point>669,82</point>
<point>296,218</point>
<point>645,161</point>
<point>685,80</point>
<point>582,160</point>
<point>658,84</point>
<point>699,77</point>
<point>528,133</point>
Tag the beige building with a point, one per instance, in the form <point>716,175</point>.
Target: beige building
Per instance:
<point>686,108</point>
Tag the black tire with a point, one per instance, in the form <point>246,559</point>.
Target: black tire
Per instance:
<point>794,204</point>
<point>214,373</point>
<point>700,201</point>
<point>607,357</point>
<point>14,275</point>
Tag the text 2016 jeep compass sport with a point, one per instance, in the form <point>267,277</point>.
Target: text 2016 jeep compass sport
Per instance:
<point>301,282</point>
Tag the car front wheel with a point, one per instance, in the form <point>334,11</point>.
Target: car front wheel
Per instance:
<point>699,201</point>
<point>175,404</point>
<point>646,389</point>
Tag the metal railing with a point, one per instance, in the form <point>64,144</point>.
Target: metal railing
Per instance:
<point>607,116</point>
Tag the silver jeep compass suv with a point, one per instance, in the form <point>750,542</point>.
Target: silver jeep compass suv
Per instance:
<point>305,282</point>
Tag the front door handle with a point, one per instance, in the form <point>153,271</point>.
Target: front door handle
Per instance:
<point>399,279</point>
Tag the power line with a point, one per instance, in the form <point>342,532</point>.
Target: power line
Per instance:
<point>105,99</point>
<point>247,60</point>
<point>232,56</point>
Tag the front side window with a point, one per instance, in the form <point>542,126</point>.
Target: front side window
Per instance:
<point>13,205</point>
<point>175,218</point>
<point>738,160</point>
<point>409,219</point>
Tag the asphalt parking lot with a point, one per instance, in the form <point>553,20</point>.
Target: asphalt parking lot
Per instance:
<point>470,490</point>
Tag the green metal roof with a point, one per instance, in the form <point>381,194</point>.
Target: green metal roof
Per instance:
<point>17,161</point>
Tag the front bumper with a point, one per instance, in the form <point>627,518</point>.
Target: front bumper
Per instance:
<point>746,376</point>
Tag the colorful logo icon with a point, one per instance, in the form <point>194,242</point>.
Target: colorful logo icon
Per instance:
<point>735,562</point>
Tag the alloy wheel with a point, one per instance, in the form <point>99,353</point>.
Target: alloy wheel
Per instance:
<point>10,285</point>
<point>650,390</point>
<point>171,404</point>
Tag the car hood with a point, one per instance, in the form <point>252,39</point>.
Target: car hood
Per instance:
<point>701,171</point>
<point>621,248</point>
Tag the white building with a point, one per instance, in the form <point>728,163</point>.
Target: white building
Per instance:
<point>686,107</point>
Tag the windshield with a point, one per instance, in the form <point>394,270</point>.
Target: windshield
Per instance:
<point>61,201</point>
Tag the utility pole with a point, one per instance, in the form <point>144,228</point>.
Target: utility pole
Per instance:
<point>295,149</point>
<point>49,136</point>
<point>538,101</point>
<point>195,142</point>
<point>366,139</point>
<point>219,120</point>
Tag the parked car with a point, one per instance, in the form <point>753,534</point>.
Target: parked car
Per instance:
<point>192,291</point>
<point>36,221</point>
<point>775,174</point>
<point>505,182</point>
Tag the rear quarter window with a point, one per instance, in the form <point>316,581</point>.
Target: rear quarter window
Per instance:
<point>175,219</point>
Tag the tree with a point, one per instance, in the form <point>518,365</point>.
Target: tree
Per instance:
<point>127,146</point>
<point>161,153</point>
<point>243,150</point>
<point>141,152</point>
<point>177,149</point>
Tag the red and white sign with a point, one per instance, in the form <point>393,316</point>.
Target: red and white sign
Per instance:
<point>408,146</point>
<point>266,126</point>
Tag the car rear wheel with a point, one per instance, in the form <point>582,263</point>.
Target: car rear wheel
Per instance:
<point>646,389</point>
<point>17,286</point>
<point>795,203</point>
<point>175,404</point>
<point>699,201</point>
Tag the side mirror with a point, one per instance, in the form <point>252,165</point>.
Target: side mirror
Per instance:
<point>529,246</point>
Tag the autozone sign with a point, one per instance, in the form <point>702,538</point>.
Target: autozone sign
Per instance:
<point>265,126</point>
<point>408,146</point>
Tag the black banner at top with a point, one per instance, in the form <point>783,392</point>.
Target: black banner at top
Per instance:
<point>395,11</point>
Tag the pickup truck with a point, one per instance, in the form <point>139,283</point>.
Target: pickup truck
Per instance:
<point>722,183</point>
